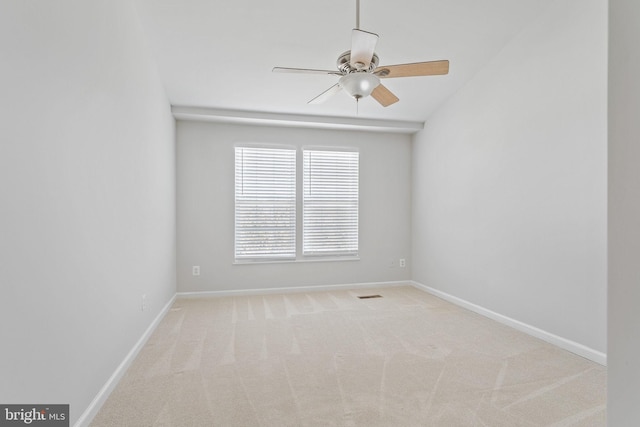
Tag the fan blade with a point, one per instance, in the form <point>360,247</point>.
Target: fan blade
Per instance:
<point>384,96</point>
<point>326,94</point>
<point>363,45</point>
<point>304,71</point>
<point>431,68</point>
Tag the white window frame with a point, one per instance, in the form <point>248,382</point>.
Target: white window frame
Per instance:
<point>330,202</point>
<point>265,203</point>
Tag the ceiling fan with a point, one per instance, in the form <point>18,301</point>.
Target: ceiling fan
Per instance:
<point>359,71</point>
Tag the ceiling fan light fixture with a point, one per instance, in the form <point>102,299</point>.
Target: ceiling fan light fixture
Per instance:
<point>359,85</point>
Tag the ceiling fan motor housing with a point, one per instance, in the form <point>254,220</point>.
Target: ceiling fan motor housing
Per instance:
<point>345,67</point>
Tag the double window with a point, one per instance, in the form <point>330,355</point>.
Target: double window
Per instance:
<point>269,191</point>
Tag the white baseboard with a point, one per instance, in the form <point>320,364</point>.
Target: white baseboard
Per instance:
<point>95,405</point>
<point>267,291</point>
<point>563,343</point>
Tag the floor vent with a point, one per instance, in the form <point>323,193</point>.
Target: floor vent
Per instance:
<point>370,296</point>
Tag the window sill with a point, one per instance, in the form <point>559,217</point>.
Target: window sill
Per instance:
<point>296,261</point>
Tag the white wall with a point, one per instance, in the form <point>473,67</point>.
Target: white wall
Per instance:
<point>509,179</point>
<point>206,209</point>
<point>623,400</point>
<point>87,194</point>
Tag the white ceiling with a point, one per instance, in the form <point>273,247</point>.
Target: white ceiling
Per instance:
<point>219,54</point>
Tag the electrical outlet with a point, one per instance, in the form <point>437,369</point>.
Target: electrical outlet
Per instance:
<point>195,270</point>
<point>143,305</point>
<point>403,263</point>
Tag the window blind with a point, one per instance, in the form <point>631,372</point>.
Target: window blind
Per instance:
<point>330,202</point>
<point>265,199</point>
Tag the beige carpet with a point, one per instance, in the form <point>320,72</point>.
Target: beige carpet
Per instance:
<point>331,359</point>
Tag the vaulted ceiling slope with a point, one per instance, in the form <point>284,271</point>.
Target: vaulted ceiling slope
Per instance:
<point>219,54</point>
